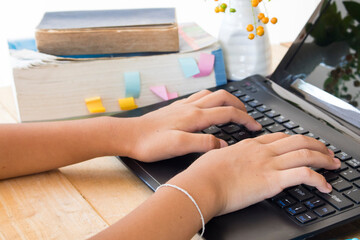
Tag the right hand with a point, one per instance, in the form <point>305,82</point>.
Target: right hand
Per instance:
<point>259,168</point>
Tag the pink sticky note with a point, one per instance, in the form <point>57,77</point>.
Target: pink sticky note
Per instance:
<point>172,95</point>
<point>206,64</point>
<point>160,91</point>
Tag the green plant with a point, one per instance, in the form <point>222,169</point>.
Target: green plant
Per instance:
<point>332,27</point>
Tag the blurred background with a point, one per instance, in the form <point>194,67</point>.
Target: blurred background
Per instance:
<point>18,19</point>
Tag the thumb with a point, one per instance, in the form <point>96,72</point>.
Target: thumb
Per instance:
<point>198,142</point>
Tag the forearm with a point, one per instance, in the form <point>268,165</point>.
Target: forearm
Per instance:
<point>169,213</point>
<point>35,147</point>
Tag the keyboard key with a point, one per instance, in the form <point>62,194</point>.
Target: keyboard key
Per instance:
<point>306,217</point>
<point>211,130</point>
<point>300,193</point>
<point>341,185</point>
<point>231,141</point>
<point>312,135</point>
<point>335,199</point>
<point>324,210</point>
<point>231,88</point>
<point>353,163</point>
<point>350,175</point>
<point>230,129</point>
<point>275,128</point>
<point>300,130</point>
<point>272,114</point>
<point>254,103</point>
<point>265,121</point>
<point>248,108</point>
<point>314,203</point>
<point>223,136</point>
<point>288,132</point>
<point>281,119</point>
<point>353,194</point>
<point>286,201</point>
<point>296,209</point>
<point>222,125</point>
<point>334,149</point>
<point>256,115</point>
<point>324,142</point>
<point>246,98</point>
<point>291,125</point>
<point>343,167</point>
<point>279,195</point>
<point>329,175</point>
<point>343,156</point>
<point>263,108</point>
<point>241,135</point>
<point>357,183</point>
<point>238,93</point>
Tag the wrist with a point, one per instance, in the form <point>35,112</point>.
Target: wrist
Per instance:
<point>202,189</point>
<point>121,136</point>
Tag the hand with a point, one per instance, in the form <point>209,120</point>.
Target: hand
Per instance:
<point>256,169</point>
<point>170,131</point>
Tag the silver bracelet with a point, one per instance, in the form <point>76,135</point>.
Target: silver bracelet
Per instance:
<point>192,199</point>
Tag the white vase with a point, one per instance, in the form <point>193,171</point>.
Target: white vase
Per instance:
<point>244,57</point>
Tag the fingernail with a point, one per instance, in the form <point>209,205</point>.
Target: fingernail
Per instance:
<point>223,143</point>
<point>258,125</point>
<point>329,187</point>
<point>331,152</point>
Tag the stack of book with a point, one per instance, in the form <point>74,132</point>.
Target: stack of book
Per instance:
<point>66,79</point>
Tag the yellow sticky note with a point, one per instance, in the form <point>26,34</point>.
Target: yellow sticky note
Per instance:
<point>94,105</point>
<point>127,103</point>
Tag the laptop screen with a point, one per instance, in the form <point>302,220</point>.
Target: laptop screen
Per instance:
<point>325,64</point>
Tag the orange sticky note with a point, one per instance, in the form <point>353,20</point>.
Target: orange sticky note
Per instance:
<point>127,103</point>
<point>94,105</point>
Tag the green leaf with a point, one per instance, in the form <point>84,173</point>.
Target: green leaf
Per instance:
<point>353,9</point>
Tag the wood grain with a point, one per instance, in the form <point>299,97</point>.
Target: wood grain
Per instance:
<point>45,206</point>
<point>108,185</point>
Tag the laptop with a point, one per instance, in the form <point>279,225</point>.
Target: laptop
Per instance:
<point>315,92</point>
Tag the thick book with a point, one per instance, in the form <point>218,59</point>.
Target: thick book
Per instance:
<point>51,88</point>
<point>108,32</point>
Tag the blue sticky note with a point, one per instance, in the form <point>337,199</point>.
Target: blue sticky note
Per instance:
<point>219,67</point>
<point>132,84</point>
<point>189,67</point>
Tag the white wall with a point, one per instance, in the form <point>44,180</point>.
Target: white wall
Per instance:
<point>18,19</point>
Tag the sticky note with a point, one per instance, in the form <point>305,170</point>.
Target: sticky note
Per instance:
<point>162,92</point>
<point>219,67</point>
<point>172,95</point>
<point>189,67</point>
<point>206,64</point>
<point>127,103</point>
<point>94,105</point>
<point>132,84</point>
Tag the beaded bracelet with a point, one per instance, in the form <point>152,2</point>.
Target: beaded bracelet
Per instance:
<point>192,199</point>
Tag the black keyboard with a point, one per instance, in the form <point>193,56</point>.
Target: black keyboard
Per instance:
<point>303,204</point>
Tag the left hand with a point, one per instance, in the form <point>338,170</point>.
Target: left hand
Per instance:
<point>170,131</point>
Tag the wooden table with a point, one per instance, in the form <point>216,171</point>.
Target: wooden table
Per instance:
<point>77,201</point>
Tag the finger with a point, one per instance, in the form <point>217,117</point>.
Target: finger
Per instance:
<point>269,138</point>
<point>297,142</point>
<point>197,96</point>
<point>219,98</point>
<point>303,175</point>
<point>195,142</point>
<point>219,115</point>
<point>306,157</point>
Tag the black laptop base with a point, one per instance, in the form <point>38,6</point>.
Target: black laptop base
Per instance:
<point>293,214</point>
